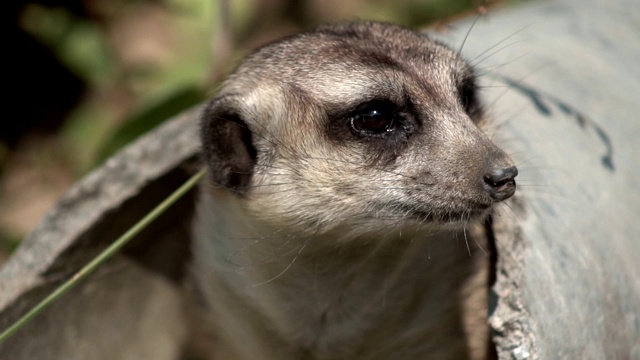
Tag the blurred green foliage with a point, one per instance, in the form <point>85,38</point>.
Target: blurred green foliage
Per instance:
<point>143,62</point>
<point>77,43</point>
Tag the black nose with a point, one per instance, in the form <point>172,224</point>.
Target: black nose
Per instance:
<point>500,183</point>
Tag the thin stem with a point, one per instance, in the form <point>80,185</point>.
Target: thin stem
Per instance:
<point>103,256</point>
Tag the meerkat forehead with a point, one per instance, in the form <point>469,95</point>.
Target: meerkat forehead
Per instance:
<point>344,63</point>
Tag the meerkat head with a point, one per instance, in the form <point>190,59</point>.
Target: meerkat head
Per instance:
<point>361,126</point>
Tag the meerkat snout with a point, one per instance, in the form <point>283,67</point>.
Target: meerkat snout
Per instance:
<point>501,183</point>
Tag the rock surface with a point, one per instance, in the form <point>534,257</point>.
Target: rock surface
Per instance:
<point>562,79</point>
<point>134,299</point>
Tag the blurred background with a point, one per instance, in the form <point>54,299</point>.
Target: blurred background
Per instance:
<point>89,76</point>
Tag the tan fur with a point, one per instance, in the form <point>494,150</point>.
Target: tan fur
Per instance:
<point>332,246</point>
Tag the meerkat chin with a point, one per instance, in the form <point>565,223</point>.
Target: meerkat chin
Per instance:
<point>346,165</point>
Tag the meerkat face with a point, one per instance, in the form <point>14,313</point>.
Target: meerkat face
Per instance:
<point>360,125</point>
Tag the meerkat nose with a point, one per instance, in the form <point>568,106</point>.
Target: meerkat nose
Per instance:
<point>500,183</point>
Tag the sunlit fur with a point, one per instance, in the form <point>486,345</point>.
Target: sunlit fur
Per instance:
<point>339,248</point>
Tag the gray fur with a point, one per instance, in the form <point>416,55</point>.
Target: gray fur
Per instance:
<point>314,242</point>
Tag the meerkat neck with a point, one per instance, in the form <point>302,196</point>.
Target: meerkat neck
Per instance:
<point>240,243</point>
<point>306,290</point>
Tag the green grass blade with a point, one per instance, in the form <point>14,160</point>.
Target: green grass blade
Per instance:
<point>103,256</point>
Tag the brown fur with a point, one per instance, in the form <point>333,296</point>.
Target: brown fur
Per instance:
<point>317,239</point>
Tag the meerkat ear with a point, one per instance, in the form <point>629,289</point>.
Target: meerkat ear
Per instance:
<point>227,146</point>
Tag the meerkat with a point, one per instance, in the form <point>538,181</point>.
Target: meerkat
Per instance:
<point>346,169</point>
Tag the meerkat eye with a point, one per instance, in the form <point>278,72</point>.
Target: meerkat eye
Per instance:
<point>374,120</point>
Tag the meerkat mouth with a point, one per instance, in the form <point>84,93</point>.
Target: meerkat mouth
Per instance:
<point>448,217</point>
<point>451,218</point>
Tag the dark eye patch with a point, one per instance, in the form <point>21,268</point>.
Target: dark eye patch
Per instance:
<point>468,93</point>
<point>377,130</point>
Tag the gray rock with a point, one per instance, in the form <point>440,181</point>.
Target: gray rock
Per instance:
<point>563,80</point>
<point>132,307</point>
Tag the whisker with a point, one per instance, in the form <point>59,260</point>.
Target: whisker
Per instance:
<point>286,268</point>
<point>464,231</point>
<point>473,61</point>
<point>481,10</point>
